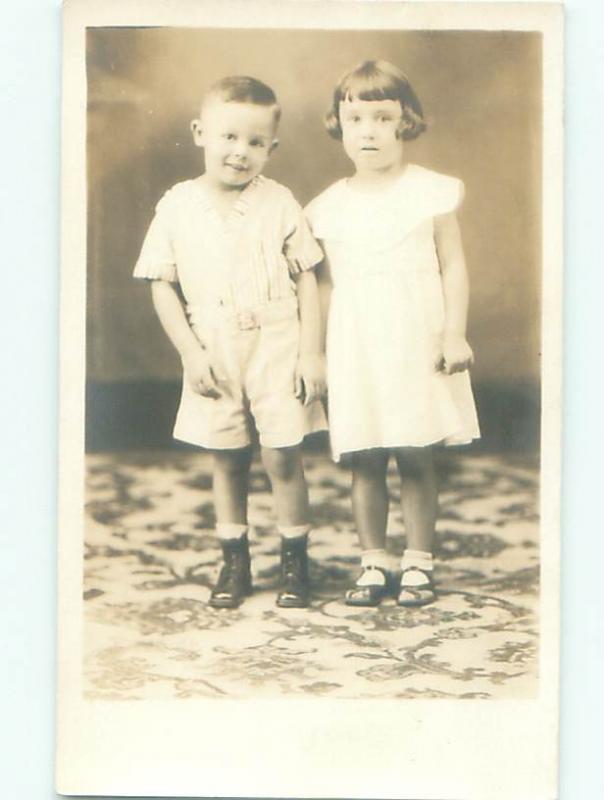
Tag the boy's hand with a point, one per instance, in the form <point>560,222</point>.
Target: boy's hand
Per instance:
<point>309,378</point>
<point>200,374</point>
<point>456,354</point>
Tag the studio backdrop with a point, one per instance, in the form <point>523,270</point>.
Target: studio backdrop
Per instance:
<point>481,94</point>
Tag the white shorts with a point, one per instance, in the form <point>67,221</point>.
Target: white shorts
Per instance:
<point>254,356</point>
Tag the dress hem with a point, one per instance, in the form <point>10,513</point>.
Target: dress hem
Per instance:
<point>446,441</point>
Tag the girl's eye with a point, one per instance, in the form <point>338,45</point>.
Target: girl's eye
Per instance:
<point>257,143</point>
<point>229,136</point>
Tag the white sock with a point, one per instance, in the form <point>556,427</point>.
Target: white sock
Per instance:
<point>230,530</point>
<point>372,562</point>
<point>378,557</point>
<point>294,531</point>
<point>419,559</point>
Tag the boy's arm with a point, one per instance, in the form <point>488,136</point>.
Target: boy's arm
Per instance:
<point>456,351</point>
<point>171,313</point>
<point>309,378</point>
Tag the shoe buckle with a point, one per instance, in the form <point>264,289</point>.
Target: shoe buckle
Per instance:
<point>246,320</point>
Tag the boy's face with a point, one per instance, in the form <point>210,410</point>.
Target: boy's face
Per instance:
<point>369,133</point>
<point>237,139</point>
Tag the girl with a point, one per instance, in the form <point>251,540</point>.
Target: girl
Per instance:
<point>397,353</point>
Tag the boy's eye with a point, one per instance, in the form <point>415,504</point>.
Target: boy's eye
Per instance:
<point>229,136</point>
<point>257,143</point>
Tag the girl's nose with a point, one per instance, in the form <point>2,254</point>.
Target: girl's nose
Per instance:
<point>367,128</point>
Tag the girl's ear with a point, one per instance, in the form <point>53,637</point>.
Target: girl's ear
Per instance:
<point>411,124</point>
<point>274,146</point>
<point>197,132</point>
<point>332,124</point>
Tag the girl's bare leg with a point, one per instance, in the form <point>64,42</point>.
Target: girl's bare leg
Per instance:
<point>370,497</point>
<point>419,501</point>
<point>419,496</point>
<point>370,508</point>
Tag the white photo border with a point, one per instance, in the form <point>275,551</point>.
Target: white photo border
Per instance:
<point>311,747</point>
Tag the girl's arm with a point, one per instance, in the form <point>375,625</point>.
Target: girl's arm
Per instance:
<point>456,354</point>
<point>309,377</point>
<point>325,284</point>
<point>171,313</point>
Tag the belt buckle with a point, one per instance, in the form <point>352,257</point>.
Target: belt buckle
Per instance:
<point>246,320</point>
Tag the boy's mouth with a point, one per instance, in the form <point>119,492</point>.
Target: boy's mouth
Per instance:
<point>237,167</point>
<point>369,149</point>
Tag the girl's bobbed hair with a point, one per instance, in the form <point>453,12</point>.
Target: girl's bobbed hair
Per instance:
<point>378,80</point>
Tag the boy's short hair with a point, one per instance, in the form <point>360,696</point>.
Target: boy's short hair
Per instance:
<point>243,89</point>
<point>378,80</point>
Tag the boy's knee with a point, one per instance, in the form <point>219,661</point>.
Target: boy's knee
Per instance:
<point>281,464</point>
<point>232,463</point>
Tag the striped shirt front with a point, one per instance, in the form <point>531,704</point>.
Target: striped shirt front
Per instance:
<point>244,260</point>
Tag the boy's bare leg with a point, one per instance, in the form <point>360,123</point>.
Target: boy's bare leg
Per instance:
<point>286,473</point>
<point>231,479</point>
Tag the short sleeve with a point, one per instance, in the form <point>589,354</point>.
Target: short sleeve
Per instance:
<point>449,194</point>
<point>324,212</point>
<point>157,260</point>
<point>300,247</point>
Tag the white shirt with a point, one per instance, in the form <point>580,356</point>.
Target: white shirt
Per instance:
<point>243,260</point>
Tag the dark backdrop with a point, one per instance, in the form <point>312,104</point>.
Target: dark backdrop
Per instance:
<point>481,93</point>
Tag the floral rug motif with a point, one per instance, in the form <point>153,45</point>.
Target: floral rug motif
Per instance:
<point>151,559</point>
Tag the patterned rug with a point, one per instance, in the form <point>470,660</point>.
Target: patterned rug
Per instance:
<point>151,559</point>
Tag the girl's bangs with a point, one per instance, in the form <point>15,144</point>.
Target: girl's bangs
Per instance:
<point>370,87</point>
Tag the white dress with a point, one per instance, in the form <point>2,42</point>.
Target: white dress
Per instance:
<point>387,314</point>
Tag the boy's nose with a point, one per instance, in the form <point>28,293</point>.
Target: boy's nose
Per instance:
<point>240,149</point>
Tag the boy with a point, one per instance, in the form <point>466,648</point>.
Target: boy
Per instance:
<point>231,260</point>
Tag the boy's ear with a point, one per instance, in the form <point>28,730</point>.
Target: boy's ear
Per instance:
<point>274,145</point>
<point>197,132</point>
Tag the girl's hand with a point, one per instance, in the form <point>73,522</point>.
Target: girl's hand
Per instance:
<point>200,374</point>
<point>457,354</point>
<point>309,378</point>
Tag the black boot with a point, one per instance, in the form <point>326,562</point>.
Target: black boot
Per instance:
<point>235,580</point>
<point>294,573</point>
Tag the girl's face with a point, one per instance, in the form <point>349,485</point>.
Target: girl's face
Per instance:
<point>369,133</point>
<point>237,139</point>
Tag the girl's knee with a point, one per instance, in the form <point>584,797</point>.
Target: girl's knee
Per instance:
<point>282,464</point>
<point>369,464</point>
<point>415,462</point>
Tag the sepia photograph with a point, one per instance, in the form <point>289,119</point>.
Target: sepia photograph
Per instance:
<point>310,368</point>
